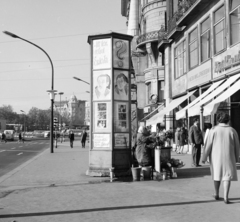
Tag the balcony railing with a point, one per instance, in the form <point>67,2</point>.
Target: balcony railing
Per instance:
<point>183,7</point>
<point>149,36</point>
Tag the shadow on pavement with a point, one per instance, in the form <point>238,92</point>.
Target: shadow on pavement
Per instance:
<point>34,214</point>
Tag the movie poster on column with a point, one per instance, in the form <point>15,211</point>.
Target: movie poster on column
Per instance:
<point>101,54</point>
<point>121,140</point>
<point>102,85</point>
<point>121,117</point>
<point>120,54</point>
<point>121,85</point>
<point>102,117</point>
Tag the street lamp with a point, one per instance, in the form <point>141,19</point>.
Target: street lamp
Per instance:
<point>24,121</point>
<point>52,84</point>
<point>81,80</point>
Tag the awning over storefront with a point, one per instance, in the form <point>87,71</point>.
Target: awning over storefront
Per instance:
<point>195,110</point>
<point>161,106</point>
<point>158,118</point>
<point>212,107</point>
<point>182,113</point>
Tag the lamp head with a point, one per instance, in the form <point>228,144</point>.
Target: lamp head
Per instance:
<point>11,34</point>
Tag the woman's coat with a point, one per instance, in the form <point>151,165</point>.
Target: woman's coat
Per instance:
<point>223,148</point>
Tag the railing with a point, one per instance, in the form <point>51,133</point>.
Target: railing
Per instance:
<point>147,37</point>
<point>183,7</point>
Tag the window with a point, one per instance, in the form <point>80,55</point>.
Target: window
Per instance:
<point>205,40</point>
<point>219,30</point>
<point>180,59</point>
<point>160,91</point>
<point>234,21</point>
<point>149,92</point>
<point>193,49</point>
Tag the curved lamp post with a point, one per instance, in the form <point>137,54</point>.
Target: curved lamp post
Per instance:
<point>81,80</point>
<point>51,92</point>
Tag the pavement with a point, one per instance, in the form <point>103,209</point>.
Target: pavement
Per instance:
<point>53,187</point>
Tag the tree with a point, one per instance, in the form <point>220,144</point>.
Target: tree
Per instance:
<point>7,113</point>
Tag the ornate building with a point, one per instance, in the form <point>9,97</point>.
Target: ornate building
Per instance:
<point>72,111</point>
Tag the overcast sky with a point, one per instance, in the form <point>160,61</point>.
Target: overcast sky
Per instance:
<point>61,28</point>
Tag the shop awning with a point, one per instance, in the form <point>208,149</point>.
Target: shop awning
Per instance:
<point>182,113</point>
<point>149,115</point>
<point>212,107</point>
<point>195,110</point>
<point>158,118</point>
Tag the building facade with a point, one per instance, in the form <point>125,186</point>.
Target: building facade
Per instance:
<point>146,21</point>
<point>72,110</point>
<point>202,60</point>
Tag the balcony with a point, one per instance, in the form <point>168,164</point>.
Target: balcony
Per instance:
<point>187,11</point>
<point>152,37</point>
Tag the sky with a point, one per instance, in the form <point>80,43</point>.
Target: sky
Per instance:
<point>61,28</point>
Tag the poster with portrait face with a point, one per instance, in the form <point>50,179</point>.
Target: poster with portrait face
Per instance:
<point>120,54</point>
<point>101,53</point>
<point>102,85</point>
<point>121,140</point>
<point>102,117</point>
<point>121,85</point>
<point>121,117</point>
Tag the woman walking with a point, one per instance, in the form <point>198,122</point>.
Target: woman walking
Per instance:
<point>177,139</point>
<point>182,139</point>
<point>222,147</point>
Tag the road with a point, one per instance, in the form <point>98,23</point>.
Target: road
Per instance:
<point>13,154</point>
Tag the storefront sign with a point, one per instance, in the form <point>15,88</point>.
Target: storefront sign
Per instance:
<point>179,85</point>
<point>199,75</point>
<point>226,62</point>
<point>101,140</point>
<point>101,54</point>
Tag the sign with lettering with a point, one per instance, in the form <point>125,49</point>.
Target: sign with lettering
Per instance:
<point>199,75</point>
<point>120,54</point>
<point>226,62</point>
<point>101,54</point>
<point>101,140</point>
<point>121,140</point>
<point>179,85</point>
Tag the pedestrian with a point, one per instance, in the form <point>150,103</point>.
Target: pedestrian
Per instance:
<point>182,139</point>
<point>20,137</point>
<point>84,137</point>
<point>196,140</point>
<point>4,137</point>
<point>144,145</point>
<point>177,139</point>
<point>222,147</point>
<point>71,137</point>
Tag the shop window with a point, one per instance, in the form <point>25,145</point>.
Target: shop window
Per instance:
<point>180,59</point>
<point>219,30</point>
<point>160,91</point>
<point>193,49</point>
<point>205,40</point>
<point>234,21</point>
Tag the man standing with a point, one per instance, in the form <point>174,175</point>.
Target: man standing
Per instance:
<point>196,140</point>
<point>71,137</point>
<point>84,137</point>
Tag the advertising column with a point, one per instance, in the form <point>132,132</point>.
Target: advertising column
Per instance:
<point>110,127</point>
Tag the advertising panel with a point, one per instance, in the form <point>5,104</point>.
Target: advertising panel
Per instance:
<point>101,140</point>
<point>101,54</point>
<point>102,117</point>
<point>179,85</point>
<point>121,140</point>
<point>102,85</point>
<point>121,115</point>
<point>120,54</point>
<point>226,62</point>
<point>121,85</point>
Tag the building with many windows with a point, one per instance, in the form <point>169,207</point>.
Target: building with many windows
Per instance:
<point>196,54</point>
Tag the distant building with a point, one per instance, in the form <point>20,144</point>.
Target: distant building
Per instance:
<point>71,109</point>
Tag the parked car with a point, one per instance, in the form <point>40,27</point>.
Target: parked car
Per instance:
<point>9,134</point>
<point>46,134</point>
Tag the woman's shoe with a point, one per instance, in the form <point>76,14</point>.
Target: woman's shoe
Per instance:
<point>216,197</point>
<point>226,201</point>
